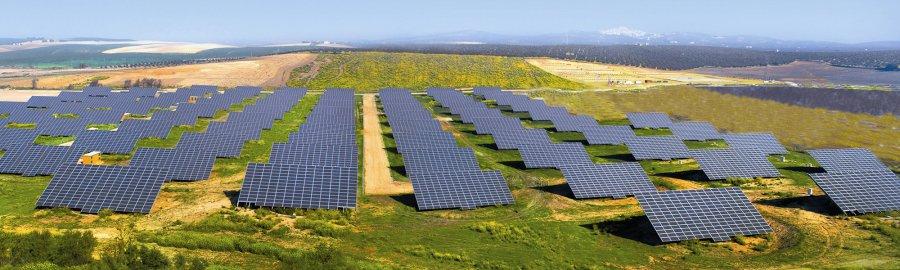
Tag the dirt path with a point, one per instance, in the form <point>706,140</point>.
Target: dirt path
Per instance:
<point>377,176</point>
<point>284,73</point>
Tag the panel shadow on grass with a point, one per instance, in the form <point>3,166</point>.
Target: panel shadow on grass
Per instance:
<point>232,196</point>
<point>406,199</point>
<point>635,228</point>
<point>492,146</point>
<point>820,204</point>
<point>558,189</point>
<point>692,175</point>
<point>620,157</point>
<point>805,169</point>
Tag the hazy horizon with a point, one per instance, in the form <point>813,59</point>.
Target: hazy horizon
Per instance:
<point>286,21</point>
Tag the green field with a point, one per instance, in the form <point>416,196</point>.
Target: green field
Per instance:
<point>371,71</point>
<point>191,228</point>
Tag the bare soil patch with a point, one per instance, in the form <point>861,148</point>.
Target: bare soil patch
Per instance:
<point>260,71</point>
<point>377,175</point>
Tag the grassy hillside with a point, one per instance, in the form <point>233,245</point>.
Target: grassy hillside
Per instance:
<point>796,127</point>
<point>370,71</point>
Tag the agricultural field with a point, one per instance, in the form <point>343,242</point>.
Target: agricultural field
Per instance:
<point>618,77</point>
<point>371,71</point>
<point>266,71</point>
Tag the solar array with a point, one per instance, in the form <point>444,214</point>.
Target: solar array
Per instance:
<point>847,159</point>
<point>586,179</point>
<point>695,131</point>
<point>720,164</point>
<point>765,142</point>
<point>70,113</point>
<point>862,191</point>
<point>616,180</point>
<point>317,168</point>
<point>132,188</point>
<point>649,120</point>
<point>93,188</point>
<point>856,181</point>
<point>443,175</point>
<point>657,147</point>
<point>716,213</point>
<point>553,155</point>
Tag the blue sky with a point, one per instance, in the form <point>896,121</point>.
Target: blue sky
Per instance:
<point>232,21</point>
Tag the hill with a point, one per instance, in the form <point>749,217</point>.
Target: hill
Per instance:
<point>370,71</point>
<point>659,56</point>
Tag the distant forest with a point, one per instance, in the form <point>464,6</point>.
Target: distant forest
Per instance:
<point>663,56</point>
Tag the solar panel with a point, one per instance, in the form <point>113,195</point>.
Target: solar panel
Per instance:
<point>182,164</point>
<point>847,159</point>
<point>113,142</point>
<point>649,119</point>
<point>33,160</point>
<point>553,155</point>
<point>765,142</point>
<point>93,188</point>
<point>720,164</point>
<point>716,213</point>
<point>460,189</point>
<point>299,186</point>
<point>603,134</point>
<point>861,192</point>
<point>495,124</point>
<point>574,123</point>
<point>320,155</point>
<point>513,138</point>
<point>427,160</point>
<point>695,131</point>
<point>657,147</point>
<point>615,180</point>
<point>414,141</point>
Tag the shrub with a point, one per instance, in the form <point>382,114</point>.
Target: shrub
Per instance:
<point>321,228</point>
<point>133,256</point>
<point>68,249</point>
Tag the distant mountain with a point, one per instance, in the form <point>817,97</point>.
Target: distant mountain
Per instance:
<point>628,36</point>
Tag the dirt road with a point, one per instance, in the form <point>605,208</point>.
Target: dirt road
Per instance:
<point>377,176</point>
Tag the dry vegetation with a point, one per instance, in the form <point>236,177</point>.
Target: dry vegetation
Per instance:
<point>272,70</point>
<point>607,76</point>
<point>797,127</point>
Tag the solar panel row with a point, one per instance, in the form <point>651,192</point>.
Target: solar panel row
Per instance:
<point>675,215</point>
<point>443,175</point>
<point>317,167</point>
<point>133,188</point>
<point>585,179</point>
<point>856,181</point>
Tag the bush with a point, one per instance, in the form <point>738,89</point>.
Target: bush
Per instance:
<point>321,228</point>
<point>133,256</point>
<point>68,249</point>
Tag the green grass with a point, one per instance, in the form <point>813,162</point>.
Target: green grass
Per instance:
<point>105,127</point>
<point>706,144</point>
<point>19,194</point>
<point>22,125</point>
<point>53,140</point>
<point>371,71</point>
<point>66,115</point>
